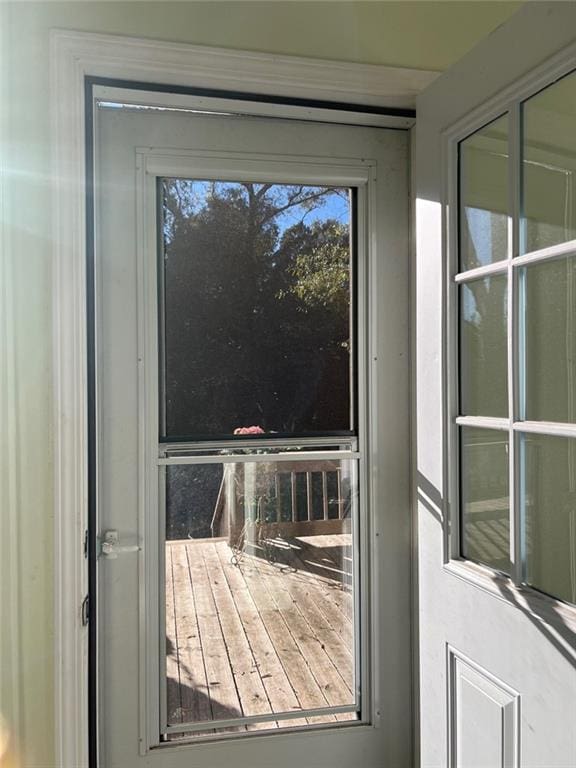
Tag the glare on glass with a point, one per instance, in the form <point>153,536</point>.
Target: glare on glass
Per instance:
<point>548,167</point>
<point>260,607</point>
<point>549,513</point>
<point>484,205</point>
<point>255,297</point>
<point>550,340</point>
<point>485,497</point>
<point>483,347</point>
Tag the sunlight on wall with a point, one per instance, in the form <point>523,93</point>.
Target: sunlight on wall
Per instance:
<point>7,751</point>
<point>429,295</point>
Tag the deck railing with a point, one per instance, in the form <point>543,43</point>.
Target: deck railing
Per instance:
<point>274,496</point>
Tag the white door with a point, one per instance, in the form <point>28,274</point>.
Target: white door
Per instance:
<point>251,324</point>
<point>496,385</point>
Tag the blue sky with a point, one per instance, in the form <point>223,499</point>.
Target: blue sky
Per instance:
<point>334,205</point>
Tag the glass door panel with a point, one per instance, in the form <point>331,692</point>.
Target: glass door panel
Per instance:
<point>256,329</point>
<point>256,289</point>
<point>549,519</point>
<point>261,563</point>
<point>550,340</point>
<point>483,185</point>
<point>485,497</point>
<point>483,347</point>
<point>549,165</point>
<point>516,343</point>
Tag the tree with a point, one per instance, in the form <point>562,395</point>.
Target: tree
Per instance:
<point>320,266</point>
<point>256,319</point>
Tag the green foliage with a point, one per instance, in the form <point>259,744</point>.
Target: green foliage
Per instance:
<point>256,321</point>
<point>321,267</point>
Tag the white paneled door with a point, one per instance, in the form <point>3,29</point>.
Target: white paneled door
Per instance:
<point>496,414</point>
<point>252,460</point>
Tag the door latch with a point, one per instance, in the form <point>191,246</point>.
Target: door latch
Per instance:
<point>110,546</point>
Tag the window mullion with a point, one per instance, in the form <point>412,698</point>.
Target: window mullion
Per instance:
<point>517,550</point>
<point>487,270</point>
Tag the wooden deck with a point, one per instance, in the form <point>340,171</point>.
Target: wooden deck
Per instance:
<point>271,634</point>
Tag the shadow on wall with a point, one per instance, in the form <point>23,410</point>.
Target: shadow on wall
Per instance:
<point>430,497</point>
<point>539,610</point>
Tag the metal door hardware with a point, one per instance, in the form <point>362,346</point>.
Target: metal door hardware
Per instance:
<point>110,547</point>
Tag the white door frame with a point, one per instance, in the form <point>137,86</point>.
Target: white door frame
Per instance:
<point>382,95</point>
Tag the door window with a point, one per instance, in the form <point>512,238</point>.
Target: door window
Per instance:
<point>257,456</point>
<point>256,309</point>
<point>515,342</point>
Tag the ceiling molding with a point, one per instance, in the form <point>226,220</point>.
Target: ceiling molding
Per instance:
<point>180,64</point>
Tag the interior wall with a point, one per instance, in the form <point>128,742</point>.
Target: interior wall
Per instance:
<point>427,35</point>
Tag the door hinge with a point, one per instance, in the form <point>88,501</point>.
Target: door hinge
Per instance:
<point>85,611</point>
<point>86,543</point>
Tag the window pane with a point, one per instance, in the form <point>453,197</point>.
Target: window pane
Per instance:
<point>259,591</point>
<point>550,343</point>
<point>484,196</point>
<point>485,499</point>
<point>549,202</point>
<point>256,297</point>
<point>483,347</point>
<point>549,501</point>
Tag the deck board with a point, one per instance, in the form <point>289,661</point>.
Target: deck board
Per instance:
<point>305,635</point>
<point>326,591</point>
<point>272,634</point>
<point>318,627</point>
<point>173,691</point>
<point>278,688</point>
<point>194,685</point>
<point>223,695</point>
<point>307,691</point>
<point>251,692</point>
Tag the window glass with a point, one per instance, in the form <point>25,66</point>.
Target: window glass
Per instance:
<point>483,347</point>
<point>260,599</point>
<point>483,159</point>
<point>256,295</point>
<point>550,340</point>
<point>549,165</point>
<point>485,497</point>
<point>549,513</point>
<point>539,330</point>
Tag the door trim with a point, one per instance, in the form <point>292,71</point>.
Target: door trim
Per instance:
<point>383,92</point>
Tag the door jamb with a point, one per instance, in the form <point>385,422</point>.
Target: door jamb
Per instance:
<point>74,58</point>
